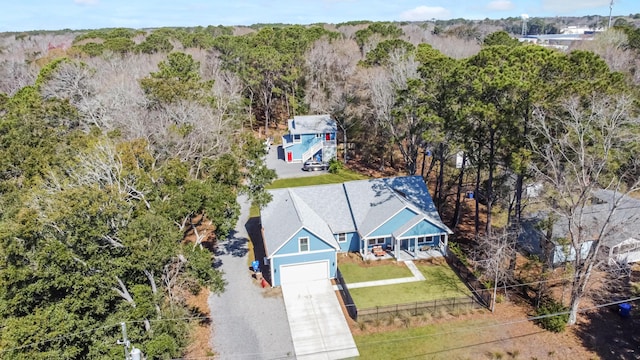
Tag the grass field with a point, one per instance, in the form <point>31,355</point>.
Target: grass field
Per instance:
<point>447,340</point>
<point>441,283</point>
<point>340,177</point>
<point>353,272</point>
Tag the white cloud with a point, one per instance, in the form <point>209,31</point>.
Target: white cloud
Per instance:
<point>500,5</point>
<point>564,6</point>
<point>86,2</point>
<point>425,13</point>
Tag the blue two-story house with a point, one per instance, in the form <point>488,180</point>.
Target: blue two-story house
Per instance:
<point>304,228</point>
<point>310,137</point>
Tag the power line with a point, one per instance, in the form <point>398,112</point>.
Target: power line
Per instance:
<point>457,330</point>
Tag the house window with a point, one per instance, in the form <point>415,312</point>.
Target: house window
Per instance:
<point>376,241</point>
<point>297,138</point>
<point>424,239</point>
<point>342,237</point>
<point>318,136</point>
<point>303,244</point>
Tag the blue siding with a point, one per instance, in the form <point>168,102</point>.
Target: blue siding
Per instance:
<point>303,258</point>
<point>423,228</point>
<point>394,223</point>
<point>352,243</point>
<point>306,142</point>
<point>315,244</point>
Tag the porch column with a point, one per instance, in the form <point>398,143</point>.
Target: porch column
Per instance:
<point>415,247</point>
<point>446,241</point>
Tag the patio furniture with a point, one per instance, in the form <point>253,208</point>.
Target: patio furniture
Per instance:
<point>378,251</point>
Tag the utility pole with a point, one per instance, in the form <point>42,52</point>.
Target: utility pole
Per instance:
<point>124,341</point>
<point>610,10</point>
<point>135,353</point>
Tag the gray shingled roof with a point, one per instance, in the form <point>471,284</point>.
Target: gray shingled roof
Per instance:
<point>276,230</point>
<point>372,203</point>
<point>624,223</point>
<point>330,203</point>
<point>336,208</point>
<point>312,221</point>
<point>312,124</point>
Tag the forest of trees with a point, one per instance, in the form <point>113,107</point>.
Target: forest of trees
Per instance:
<point>116,143</point>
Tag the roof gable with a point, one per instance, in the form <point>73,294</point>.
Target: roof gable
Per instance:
<point>286,215</point>
<point>360,206</point>
<point>375,201</point>
<point>291,246</point>
<point>421,227</point>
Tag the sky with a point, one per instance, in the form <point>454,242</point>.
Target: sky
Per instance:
<point>24,15</point>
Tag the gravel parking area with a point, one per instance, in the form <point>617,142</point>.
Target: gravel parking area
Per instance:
<point>275,160</point>
<point>249,322</point>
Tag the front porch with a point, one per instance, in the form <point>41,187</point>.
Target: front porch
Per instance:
<point>404,255</point>
<point>404,249</point>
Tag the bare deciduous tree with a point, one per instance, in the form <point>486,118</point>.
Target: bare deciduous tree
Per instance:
<point>331,66</point>
<point>578,151</point>
<point>493,253</point>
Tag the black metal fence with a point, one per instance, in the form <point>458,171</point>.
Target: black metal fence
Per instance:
<point>346,296</point>
<point>482,295</point>
<point>450,306</point>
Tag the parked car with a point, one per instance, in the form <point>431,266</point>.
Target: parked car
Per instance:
<point>313,165</point>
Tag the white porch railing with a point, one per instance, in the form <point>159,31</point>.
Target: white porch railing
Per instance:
<point>309,153</point>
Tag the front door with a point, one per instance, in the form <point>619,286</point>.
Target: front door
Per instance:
<point>289,156</point>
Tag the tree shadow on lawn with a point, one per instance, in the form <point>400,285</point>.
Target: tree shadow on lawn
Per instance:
<point>610,335</point>
<point>445,280</point>
<point>605,331</point>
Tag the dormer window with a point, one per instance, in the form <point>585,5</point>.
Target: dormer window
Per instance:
<point>297,138</point>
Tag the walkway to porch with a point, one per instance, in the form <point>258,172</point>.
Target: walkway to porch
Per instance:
<point>417,276</point>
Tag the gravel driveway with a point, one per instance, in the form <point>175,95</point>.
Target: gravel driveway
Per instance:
<point>249,322</point>
<point>275,160</point>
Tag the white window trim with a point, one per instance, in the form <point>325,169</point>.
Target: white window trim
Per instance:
<point>344,236</point>
<point>298,140</point>
<point>378,241</point>
<point>424,239</point>
<point>300,244</point>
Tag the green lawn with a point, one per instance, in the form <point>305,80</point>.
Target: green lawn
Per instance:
<point>340,177</point>
<point>447,340</point>
<point>353,273</point>
<point>441,283</point>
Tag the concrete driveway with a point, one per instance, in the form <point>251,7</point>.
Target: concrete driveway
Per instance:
<point>318,327</point>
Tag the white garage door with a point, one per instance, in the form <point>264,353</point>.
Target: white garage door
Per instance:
<point>296,273</point>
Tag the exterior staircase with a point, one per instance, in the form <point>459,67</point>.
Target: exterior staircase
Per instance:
<point>312,150</point>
